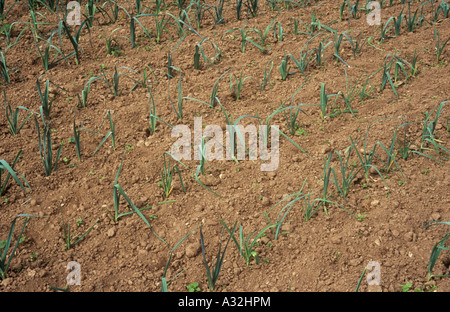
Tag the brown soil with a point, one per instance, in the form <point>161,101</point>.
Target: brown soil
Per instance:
<point>326,253</point>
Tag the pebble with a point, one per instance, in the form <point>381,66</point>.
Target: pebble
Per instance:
<point>211,181</point>
<point>7,281</point>
<point>179,254</point>
<point>408,236</point>
<point>355,262</point>
<point>336,240</point>
<point>192,250</point>
<point>111,232</point>
<point>435,216</point>
<point>326,149</point>
<point>374,288</point>
<point>265,201</point>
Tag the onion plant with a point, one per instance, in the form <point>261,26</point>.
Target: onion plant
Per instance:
<point>352,9</point>
<point>45,149</point>
<point>114,85</point>
<point>111,133</point>
<point>436,250</point>
<point>278,32</point>
<point>170,67</point>
<point>47,61</point>
<point>4,166</point>
<point>234,132</point>
<point>367,156</point>
<point>428,135</point>
<point>178,111</point>
<point>74,40</point>
<point>167,173</point>
<point>445,8</point>
<point>348,172</point>
<point>117,193</point>
<point>7,30</point>
<point>83,96</point>
<point>164,282</point>
<point>214,93</point>
<point>305,57</point>
<point>212,273</point>
<point>285,210</point>
<point>324,98</point>
<point>6,256</point>
<point>4,70</point>
<point>69,240</point>
<point>218,12</point>
<point>90,10</point>
<point>266,76</point>
<point>411,21</point>
<point>113,15</point>
<point>76,137</point>
<point>349,95</point>
<point>44,96</point>
<point>3,13</point>
<point>237,84</point>
<point>145,77</point>
<point>13,117</point>
<point>152,109</point>
<point>245,38</point>
<point>399,66</point>
<point>439,47</point>
<point>283,68</point>
<point>246,247</point>
<point>109,41</point>
<point>200,52</point>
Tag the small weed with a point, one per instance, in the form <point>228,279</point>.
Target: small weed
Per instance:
<point>361,217</point>
<point>193,287</point>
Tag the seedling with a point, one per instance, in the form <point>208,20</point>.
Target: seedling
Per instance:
<point>5,261</point>
<point>111,133</point>
<point>245,38</point>
<point>71,241</point>
<point>361,217</point>
<point>439,47</point>
<point>263,34</point>
<point>13,117</point>
<point>236,86</point>
<point>193,287</point>
<point>45,148</point>
<point>4,70</point>
<point>117,193</point>
<point>178,111</point>
<point>167,176</point>
<point>245,247</point>
<point>213,274</point>
<point>436,250</point>
<point>164,282</point>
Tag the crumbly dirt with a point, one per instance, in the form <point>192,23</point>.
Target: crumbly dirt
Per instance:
<point>383,221</point>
